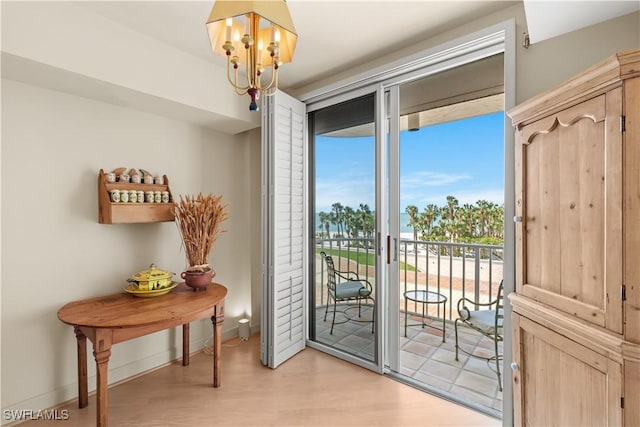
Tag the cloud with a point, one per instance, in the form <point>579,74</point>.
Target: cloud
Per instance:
<point>348,191</point>
<point>430,179</point>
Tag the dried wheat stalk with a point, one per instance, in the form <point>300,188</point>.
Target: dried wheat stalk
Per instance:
<point>198,219</point>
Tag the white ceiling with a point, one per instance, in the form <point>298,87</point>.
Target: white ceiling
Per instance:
<point>332,35</point>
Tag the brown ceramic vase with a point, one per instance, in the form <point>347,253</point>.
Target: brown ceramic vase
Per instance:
<point>198,280</point>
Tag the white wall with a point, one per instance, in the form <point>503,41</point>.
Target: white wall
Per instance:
<point>54,250</point>
<point>550,62</point>
<point>255,166</point>
<point>66,46</point>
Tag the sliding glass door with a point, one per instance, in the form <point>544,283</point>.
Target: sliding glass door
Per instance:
<point>448,152</point>
<point>392,215</point>
<point>407,189</point>
<point>344,285</point>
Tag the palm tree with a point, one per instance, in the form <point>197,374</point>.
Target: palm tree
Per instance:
<point>367,219</point>
<point>324,220</point>
<point>496,222</point>
<point>484,213</point>
<point>356,225</point>
<point>467,220</point>
<point>412,211</point>
<point>348,215</point>
<point>427,218</point>
<point>337,211</point>
<point>449,215</point>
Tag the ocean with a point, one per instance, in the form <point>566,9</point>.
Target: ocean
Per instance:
<point>404,228</point>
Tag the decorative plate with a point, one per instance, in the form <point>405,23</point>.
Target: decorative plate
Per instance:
<point>133,290</point>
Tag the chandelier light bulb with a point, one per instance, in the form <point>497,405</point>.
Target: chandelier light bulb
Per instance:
<point>229,24</point>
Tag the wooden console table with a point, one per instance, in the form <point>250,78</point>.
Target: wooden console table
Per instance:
<point>120,317</point>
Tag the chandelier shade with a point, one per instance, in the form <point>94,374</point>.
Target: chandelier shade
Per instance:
<point>257,37</point>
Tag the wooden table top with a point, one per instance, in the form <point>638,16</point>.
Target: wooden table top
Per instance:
<point>125,310</point>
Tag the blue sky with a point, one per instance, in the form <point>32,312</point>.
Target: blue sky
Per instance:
<point>463,158</point>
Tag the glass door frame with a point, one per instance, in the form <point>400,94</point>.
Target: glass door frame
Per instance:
<point>392,341</point>
<point>391,87</point>
<point>378,364</point>
<point>498,38</point>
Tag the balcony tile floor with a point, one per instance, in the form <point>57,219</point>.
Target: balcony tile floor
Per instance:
<point>423,355</point>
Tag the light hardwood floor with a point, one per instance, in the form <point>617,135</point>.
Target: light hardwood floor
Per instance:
<point>312,389</point>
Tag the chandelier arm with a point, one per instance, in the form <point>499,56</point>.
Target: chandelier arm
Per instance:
<point>274,74</point>
<point>250,68</point>
<point>239,90</point>
<point>273,92</point>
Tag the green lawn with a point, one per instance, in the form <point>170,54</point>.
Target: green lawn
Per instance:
<point>360,257</point>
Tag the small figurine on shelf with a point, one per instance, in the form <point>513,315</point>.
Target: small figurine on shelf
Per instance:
<point>135,176</point>
<point>147,176</point>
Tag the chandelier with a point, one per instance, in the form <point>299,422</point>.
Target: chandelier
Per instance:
<point>255,36</point>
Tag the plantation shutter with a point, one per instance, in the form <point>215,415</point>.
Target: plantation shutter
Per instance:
<point>283,200</point>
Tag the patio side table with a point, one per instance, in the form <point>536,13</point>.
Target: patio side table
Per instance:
<point>425,297</point>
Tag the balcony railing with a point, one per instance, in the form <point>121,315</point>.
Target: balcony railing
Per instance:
<point>456,270</point>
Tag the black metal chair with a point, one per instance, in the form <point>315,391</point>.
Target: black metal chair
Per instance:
<point>488,322</point>
<point>346,286</point>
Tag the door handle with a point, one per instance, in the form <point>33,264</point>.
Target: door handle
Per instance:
<point>388,249</point>
<point>395,249</point>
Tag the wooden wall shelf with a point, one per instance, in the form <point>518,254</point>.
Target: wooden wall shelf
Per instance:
<point>128,213</point>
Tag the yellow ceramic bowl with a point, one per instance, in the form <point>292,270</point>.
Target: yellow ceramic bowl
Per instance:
<point>152,279</point>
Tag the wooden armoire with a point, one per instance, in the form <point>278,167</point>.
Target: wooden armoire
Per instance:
<point>576,306</point>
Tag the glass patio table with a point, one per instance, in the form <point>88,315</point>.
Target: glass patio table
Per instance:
<point>425,298</point>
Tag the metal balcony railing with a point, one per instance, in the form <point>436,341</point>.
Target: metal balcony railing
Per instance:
<point>456,270</point>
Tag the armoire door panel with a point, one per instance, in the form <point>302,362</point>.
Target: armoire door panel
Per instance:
<point>631,205</point>
<point>614,261</point>
<point>562,382</point>
<point>568,198</point>
<point>632,393</point>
